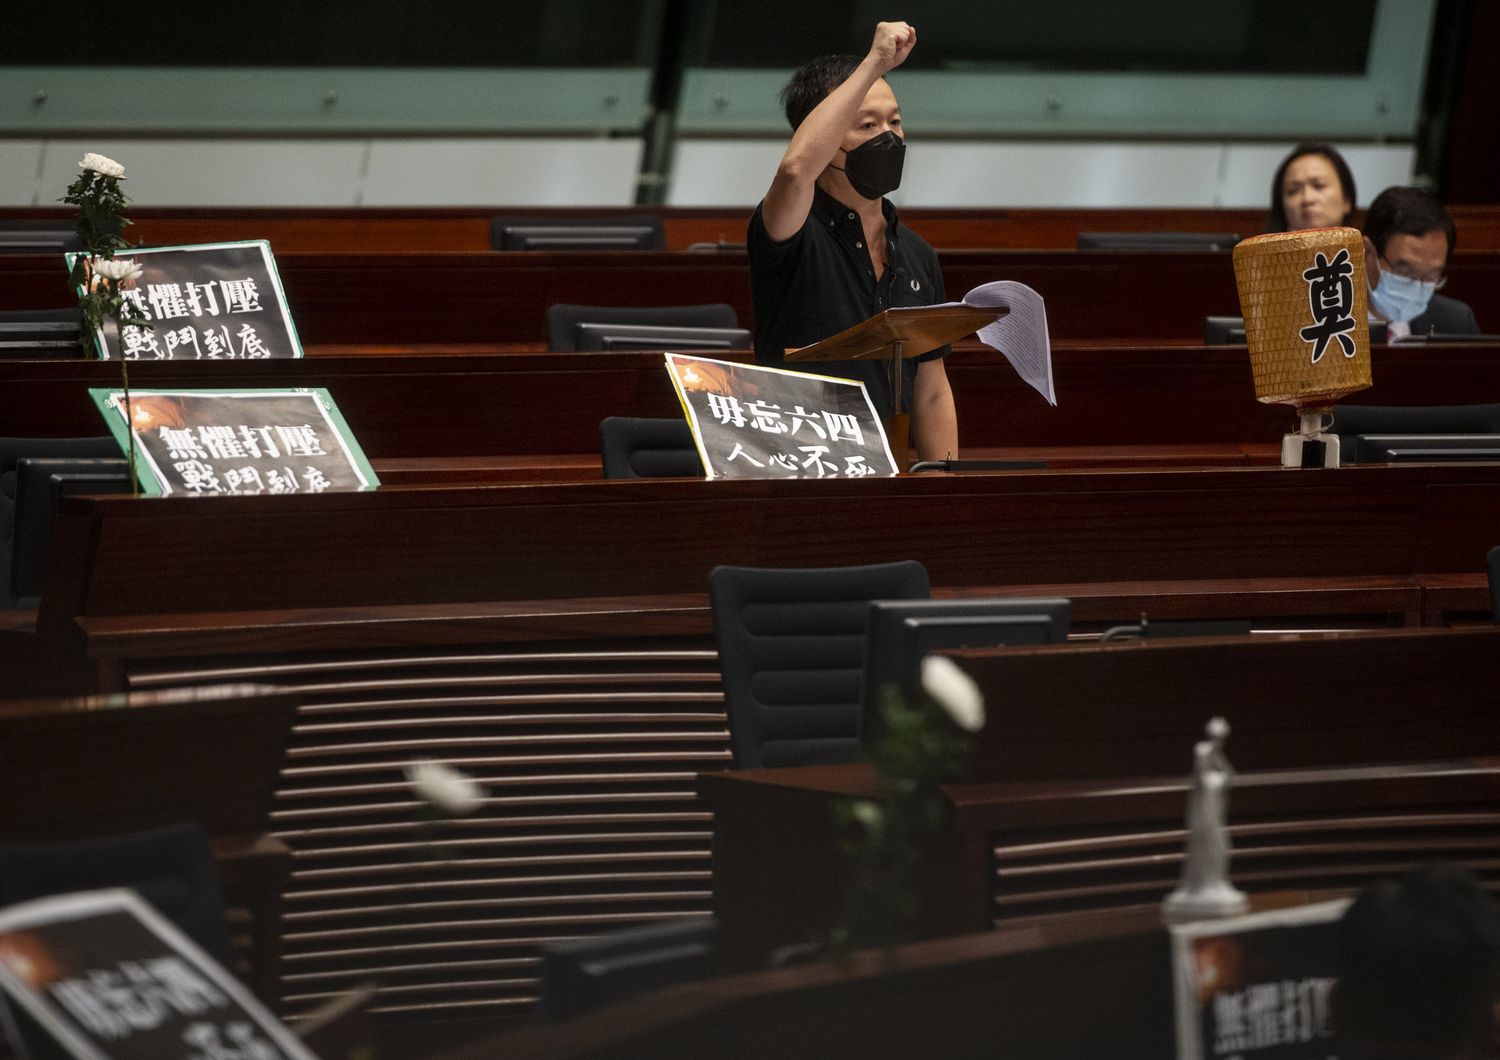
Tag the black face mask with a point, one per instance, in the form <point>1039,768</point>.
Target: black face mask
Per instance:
<point>874,167</point>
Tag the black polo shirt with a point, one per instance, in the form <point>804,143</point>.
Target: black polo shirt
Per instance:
<point>820,281</point>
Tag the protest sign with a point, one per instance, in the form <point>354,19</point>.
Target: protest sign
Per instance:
<point>750,421</point>
<point>214,301</point>
<point>107,978</point>
<point>1257,986</point>
<point>237,441</point>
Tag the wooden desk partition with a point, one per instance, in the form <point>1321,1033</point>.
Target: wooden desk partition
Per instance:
<point>485,297</point>
<point>1026,854</point>
<point>374,230</point>
<point>1357,754</point>
<point>1117,404</point>
<point>122,566</point>
<point>102,765</point>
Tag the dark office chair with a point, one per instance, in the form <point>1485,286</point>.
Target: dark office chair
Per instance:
<point>626,231</point>
<point>792,654</point>
<point>172,868</point>
<point>563,319</point>
<point>648,448</point>
<point>1350,421</point>
<point>13,449</point>
<point>579,975</point>
<point>40,333</point>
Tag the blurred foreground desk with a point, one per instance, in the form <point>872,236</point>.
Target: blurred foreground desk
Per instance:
<point>1082,986</point>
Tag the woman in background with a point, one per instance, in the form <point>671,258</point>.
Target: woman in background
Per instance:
<point>1313,188</point>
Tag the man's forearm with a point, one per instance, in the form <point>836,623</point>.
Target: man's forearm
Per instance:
<point>934,417</point>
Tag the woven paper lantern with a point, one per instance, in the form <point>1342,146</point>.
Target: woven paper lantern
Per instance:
<point>1302,295</point>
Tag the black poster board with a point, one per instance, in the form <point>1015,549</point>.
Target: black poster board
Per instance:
<point>1257,987</point>
<point>237,441</point>
<point>107,978</point>
<point>750,421</point>
<point>212,301</point>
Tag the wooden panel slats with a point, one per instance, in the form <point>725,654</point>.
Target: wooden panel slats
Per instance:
<point>588,754</point>
<point>1107,840</point>
<point>285,667</point>
<point>603,716</point>
<point>706,760</point>
<point>593,779</point>
<point>1074,874</point>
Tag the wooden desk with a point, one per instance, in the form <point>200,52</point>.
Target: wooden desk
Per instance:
<point>1023,854</point>
<point>76,769</point>
<point>461,552</point>
<point>1357,754</point>
<point>490,297</point>
<point>1119,404</point>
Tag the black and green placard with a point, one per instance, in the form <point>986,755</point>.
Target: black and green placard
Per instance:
<point>236,441</point>
<point>209,302</point>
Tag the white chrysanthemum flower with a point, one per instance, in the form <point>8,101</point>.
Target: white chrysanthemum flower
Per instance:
<point>102,165</point>
<point>444,787</point>
<point>954,690</point>
<point>118,269</point>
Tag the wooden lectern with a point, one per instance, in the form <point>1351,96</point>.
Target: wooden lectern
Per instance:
<point>895,335</point>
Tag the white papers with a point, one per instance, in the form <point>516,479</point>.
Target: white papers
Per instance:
<point>1021,334</point>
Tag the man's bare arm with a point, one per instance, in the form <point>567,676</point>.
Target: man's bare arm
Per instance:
<point>817,139</point>
<point>934,418</point>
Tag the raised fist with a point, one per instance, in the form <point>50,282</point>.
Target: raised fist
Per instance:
<point>892,44</point>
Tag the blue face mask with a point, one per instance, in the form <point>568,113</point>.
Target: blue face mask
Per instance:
<point>1399,297</point>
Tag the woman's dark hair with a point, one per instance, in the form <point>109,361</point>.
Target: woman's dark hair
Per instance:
<point>812,82</point>
<point>1276,218</point>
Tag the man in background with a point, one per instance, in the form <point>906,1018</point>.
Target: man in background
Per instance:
<point>1408,244</point>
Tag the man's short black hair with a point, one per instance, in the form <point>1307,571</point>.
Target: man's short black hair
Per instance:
<point>812,82</point>
<point>1409,212</point>
<point>1419,966</point>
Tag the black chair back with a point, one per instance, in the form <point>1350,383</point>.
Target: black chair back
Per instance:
<point>792,654</point>
<point>28,236</point>
<point>14,449</point>
<point>563,319</point>
<point>648,448</point>
<point>41,333</point>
